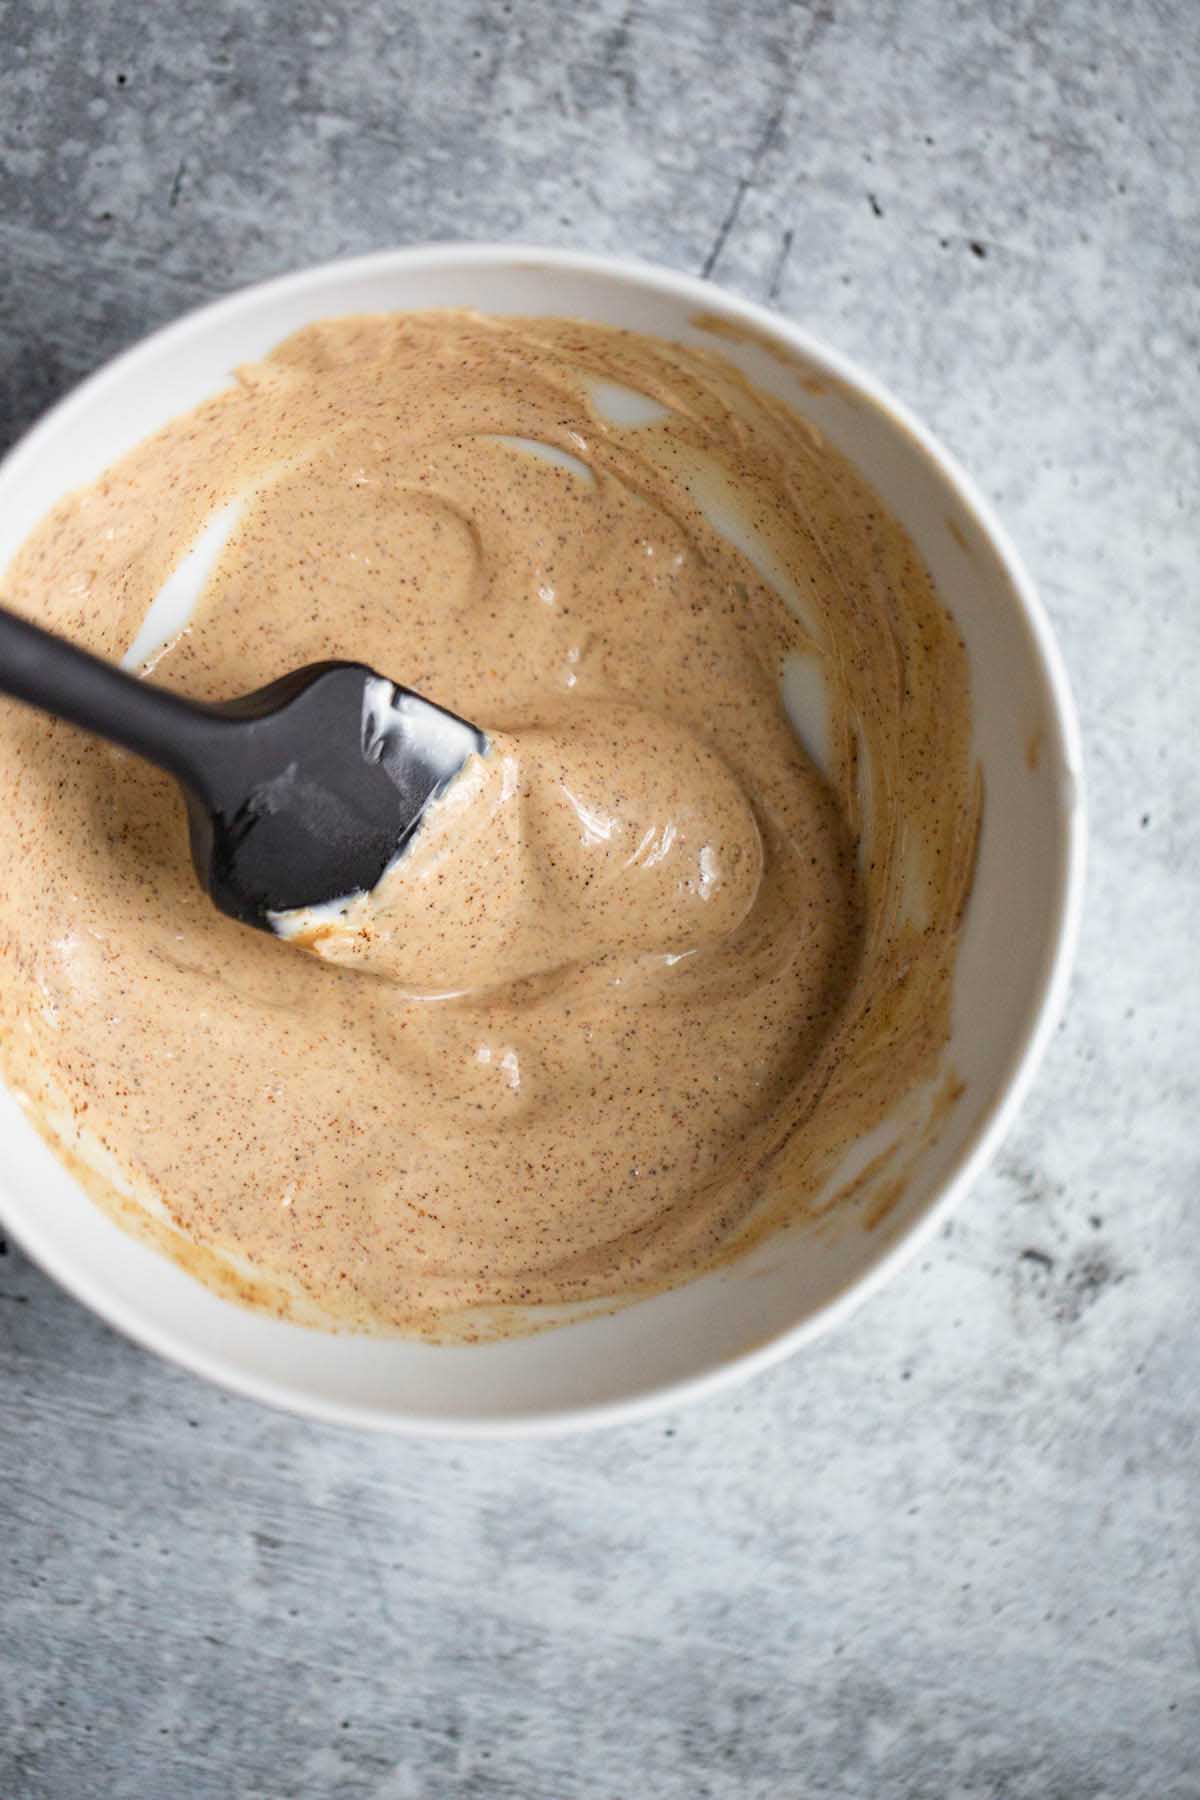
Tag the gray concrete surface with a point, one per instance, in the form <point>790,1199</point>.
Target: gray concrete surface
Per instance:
<point>951,1552</point>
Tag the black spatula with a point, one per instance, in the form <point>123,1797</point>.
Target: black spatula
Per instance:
<point>299,793</point>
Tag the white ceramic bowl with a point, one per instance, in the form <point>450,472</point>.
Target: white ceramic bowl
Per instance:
<point>1014,958</point>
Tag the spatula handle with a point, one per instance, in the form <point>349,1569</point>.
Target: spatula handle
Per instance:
<point>46,671</point>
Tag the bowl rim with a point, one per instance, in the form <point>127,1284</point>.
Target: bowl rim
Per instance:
<point>1043,1012</point>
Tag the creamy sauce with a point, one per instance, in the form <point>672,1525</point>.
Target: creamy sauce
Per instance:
<point>614,833</point>
<point>651,965</point>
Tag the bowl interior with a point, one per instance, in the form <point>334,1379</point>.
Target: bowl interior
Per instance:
<point>1012,961</point>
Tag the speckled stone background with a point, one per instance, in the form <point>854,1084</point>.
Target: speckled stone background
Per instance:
<point>953,1551</point>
